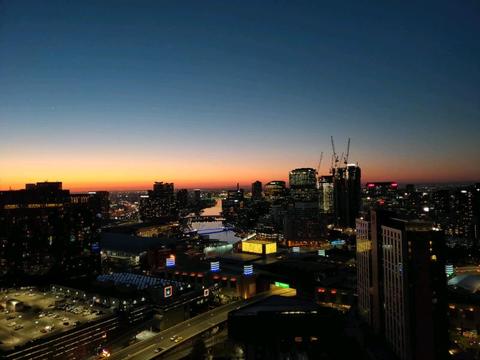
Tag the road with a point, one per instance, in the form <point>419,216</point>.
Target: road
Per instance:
<point>188,329</point>
<point>467,269</point>
<point>182,351</point>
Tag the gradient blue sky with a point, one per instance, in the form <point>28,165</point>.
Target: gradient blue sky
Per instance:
<point>118,94</point>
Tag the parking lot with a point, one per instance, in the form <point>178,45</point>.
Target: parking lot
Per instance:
<point>43,314</point>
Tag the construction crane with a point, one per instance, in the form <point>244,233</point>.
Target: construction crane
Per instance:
<point>345,161</point>
<point>335,156</point>
<point>319,163</point>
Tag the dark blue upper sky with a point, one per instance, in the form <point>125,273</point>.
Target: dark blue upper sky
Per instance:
<point>258,84</point>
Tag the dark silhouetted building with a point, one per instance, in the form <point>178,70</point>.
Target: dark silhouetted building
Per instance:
<point>257,190</point>
<point>382,194</point>
<point>182,198</point>
<point>44,230</point>
<point>346,194</point>
<point>234,200</point>
<point>159,204</point>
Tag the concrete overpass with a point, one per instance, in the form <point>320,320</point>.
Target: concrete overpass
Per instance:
<point>145,350</point>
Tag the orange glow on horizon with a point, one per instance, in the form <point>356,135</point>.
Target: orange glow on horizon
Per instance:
<point>134,172</point>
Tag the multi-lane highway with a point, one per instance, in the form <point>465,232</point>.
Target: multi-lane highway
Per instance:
<point>188,329</point>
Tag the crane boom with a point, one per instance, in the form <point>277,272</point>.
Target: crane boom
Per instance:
<point>348,152</point>
<point>320,163</point>
<point>335,156</point>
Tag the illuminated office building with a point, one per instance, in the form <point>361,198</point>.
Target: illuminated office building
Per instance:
<point>303,184</point>
<point>325,189</point>
<point>302,222</point>
<point>275,190</point>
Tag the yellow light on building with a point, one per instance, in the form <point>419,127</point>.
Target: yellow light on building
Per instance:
<point>259,247</point>
<point>252,247</point>
<point>271,248</point>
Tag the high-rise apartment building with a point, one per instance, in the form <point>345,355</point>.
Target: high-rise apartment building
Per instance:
<point>46,230</point>
<point>402,285</point>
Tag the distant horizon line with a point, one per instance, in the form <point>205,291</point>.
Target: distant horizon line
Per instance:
<point>80,189</point>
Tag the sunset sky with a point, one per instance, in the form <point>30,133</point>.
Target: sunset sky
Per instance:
<point>119,94</point>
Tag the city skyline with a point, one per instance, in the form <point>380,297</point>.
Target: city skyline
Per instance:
<point>117,95</point>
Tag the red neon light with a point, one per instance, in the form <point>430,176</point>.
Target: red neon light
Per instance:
<point>394,185</point>
<point>321,290</point>
<point>233,279</point>
<point>370,185</point>
<point>224,278</point>
<point>333,291</point>
<point>216,277</point>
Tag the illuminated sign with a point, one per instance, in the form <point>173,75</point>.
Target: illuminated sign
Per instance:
<point>206,292</point>
<point>321,252</point>
<point>170,261</point>
<point>449,270</point>
<point>96,247</point>
<point>282,285</point>
<point>215,266</point>
<point>167,291</point>
<point>337,242</point>
<point>247,269</point>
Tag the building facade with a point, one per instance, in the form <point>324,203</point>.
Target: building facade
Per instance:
<point>401,263</point>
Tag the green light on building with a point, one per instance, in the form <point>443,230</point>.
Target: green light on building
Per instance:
<point>282,285</point>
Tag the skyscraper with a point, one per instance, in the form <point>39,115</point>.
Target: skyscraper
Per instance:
<point>325,189</point>
<point>346,194</point>
<point>257,190</point>
<point>402,285</point>
<point>302,223</point>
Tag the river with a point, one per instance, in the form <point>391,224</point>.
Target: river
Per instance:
<point>228,236</point>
